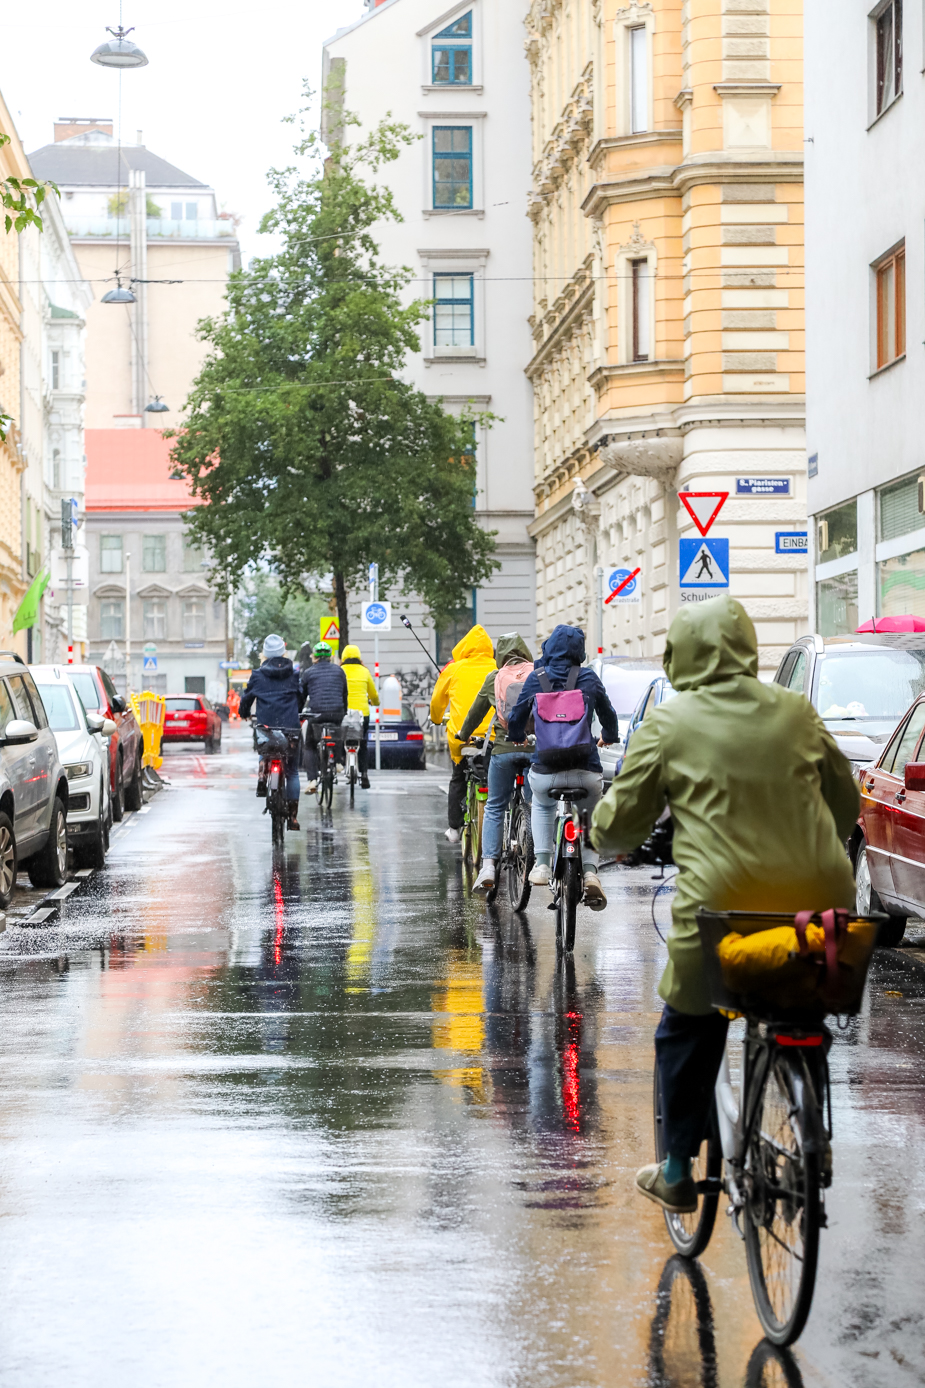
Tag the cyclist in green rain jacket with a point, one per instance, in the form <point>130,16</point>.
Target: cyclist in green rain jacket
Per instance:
<point>762,801</point>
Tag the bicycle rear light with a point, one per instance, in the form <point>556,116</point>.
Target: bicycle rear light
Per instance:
<point>572,831</point>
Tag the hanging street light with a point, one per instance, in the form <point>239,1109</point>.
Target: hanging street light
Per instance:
<point>119,51</point>
<point>157,406</point>
<point>119,295</point>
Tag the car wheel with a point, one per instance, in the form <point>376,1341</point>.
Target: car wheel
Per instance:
<point>118,795</point>
<point>92,852</point>
<point>49,867</point>
<point>867,902</point>
<point>134,796</point>
<point>8,866</point>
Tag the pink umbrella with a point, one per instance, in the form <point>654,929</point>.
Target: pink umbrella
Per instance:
<point>905,622</point>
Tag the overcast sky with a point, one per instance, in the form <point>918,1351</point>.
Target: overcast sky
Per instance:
<point>219,80</point>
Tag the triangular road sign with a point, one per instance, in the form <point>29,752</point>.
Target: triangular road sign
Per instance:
<point>705,570</point>
<point>331,632</point>
<point>703,507</point>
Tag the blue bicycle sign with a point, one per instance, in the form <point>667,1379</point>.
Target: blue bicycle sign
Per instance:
<point>377,616</point>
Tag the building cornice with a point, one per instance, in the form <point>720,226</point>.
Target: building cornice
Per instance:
<point>770,166</point>
<point>659,366</point>
<point>560,331</point>
<point>618,142</point>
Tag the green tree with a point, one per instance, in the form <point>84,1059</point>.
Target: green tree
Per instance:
<point>264,607</point>
<point>310,452</point>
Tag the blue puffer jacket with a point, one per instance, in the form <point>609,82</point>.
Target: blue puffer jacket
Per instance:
<point>324,684</point>
<point>561,651</point>
<point>275,687</point>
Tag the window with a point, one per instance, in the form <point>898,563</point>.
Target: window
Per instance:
<point>639,79</point>
<point>6,707</point>
<point>154,554</point>
<point>112,621</point>
<point>86,687</point>
<point>176,212</point>
<point>900,507</point>
<point>55,370</point>
<point>452,54</point>
<point>453,319</point>
<point>837,605</point>
<point>194,620</point>
<point>452,166</point>
<point>837,533</point>
<point>183,705</point>
<point>906,746</point>
<point>889,27</point>
<point>62,715</point>
<point>56,469</point>
<point>902,585</point>
<point>192,557</point>
<point>891,307</point>
<point>38,708</point>
<point>196,684</point>
<point>154,620</point>
<point>797,678</point>
<point>192,211</point>
<point>110,554</point>
<point>641,307</point>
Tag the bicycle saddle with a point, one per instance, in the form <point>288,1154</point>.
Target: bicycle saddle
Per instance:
<point>569,793</point>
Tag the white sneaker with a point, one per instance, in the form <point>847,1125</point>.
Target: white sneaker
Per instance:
<point>311,787</point>
<point>486,878</point>
<point>451,835</point>
<point>594,893</point>
<point>540,876</point>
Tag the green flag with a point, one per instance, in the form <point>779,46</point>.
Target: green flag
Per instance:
<point>28,609</point>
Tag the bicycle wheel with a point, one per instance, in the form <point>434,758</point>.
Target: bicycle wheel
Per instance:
<point>690,1233</point>
<point>352,779</point>
<point>278,818</point>
<point>470,850</point>
<point>521,859</point>
<point>682,1342</point>
<point>567,905</point>
<point>772,1367</point>
<point>783,1205</point>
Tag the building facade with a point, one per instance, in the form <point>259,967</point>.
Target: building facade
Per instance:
<point>456,76</point>
<point>865,303</point>
<point>668,312</point>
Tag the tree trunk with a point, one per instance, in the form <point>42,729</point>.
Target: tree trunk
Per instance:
<point>343,616</point>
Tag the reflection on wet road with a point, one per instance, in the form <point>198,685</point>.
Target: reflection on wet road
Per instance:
<point>322,1120</point>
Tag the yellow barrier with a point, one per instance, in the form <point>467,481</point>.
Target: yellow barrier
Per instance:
<point>149,710</point>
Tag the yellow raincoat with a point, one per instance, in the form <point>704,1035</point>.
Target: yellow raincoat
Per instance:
<point>361,689</point>
<point>460,682</point>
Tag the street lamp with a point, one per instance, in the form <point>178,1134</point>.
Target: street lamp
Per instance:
<point>119,51</point>
<point>119,295</point>
<point>157,406</point>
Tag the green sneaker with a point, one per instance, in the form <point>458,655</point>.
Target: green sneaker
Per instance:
<point>680,1198</point>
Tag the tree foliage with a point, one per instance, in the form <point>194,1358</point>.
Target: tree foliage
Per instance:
<point>311,453</point>
<point>262,607</point>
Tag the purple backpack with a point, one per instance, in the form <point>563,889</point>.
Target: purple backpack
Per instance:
<point>562,723</point>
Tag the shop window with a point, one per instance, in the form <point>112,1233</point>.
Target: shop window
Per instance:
<point>837,605</point>
<point>837,533</point>
<point>902,585</point>
<point>900,509</point>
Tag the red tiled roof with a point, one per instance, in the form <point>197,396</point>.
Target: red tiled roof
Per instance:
<point>129,470</point>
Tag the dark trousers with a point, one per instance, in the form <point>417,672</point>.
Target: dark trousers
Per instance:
<point>456,796</point>
<point>313,729</point>
<point>363,752</point>
<point>688,1052</point>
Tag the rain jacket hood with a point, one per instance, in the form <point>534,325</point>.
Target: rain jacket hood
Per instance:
<point>361,689</point>
<point>709,642</point>
<point>460,682</point>
<point>562,649</point>
<point>351,653</point>
<point>274,687</point>
<point>476,643</point>
<point>278,667</point>
<point>512,647</point>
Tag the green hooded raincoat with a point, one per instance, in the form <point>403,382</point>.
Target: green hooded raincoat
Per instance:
<point>510,647</point>
<point>761,798</point>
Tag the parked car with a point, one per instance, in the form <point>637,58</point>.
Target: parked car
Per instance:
<point>626,679</point>
<point>83,745</point>
<point>859,685</point>
<point>33,787</point>
<point>98,696</point>
<point>888,846</point>
<point>657,691</point>
<point>191,718</point>
<point>401,743</point>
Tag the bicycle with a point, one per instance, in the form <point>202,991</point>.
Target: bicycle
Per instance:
<point>768,1149</point>
<point>567,874</point>
<point>517,856</point>
<point>353,733</point>
<point>276,746</point>
<point>327,768</point>
<point>476,764</point>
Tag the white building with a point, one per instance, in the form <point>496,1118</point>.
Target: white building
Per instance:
<point>457,77</point>
<point>865,285</point>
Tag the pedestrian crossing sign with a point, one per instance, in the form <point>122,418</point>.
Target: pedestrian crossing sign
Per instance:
<point>704,563</point>
<point>330,631</point>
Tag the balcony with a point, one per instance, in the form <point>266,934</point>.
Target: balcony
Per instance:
<point>159,228</point>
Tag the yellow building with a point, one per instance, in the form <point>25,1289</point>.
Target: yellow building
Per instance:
<point>668,319</point>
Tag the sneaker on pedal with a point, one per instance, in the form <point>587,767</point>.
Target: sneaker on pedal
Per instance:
<point>485,881</point>
<point>541,876</point>
<point>311,787</point>
<point>261,790</point>
<point>681,1198</point>
<point>594,893</point>
<point>451,835</point>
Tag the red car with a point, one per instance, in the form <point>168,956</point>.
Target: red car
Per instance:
<point>98,695</point>
<point>191,718</point>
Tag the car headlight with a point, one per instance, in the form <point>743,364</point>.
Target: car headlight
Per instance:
<point>77,769</point>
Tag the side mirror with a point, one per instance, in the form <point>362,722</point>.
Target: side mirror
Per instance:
<point>117,704</point>
<point>20,730</point>
<point>915,775</point>
<point>95,722</point>
<point>109,727</point>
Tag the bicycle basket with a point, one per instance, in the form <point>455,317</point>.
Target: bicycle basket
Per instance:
<point>769,964</point>
<point>352,728</point>
<point>271,740</point>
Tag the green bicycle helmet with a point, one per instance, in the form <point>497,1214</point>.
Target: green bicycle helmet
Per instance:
<point>322,651</point>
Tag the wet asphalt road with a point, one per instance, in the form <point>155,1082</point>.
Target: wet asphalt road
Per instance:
<point>326,1122</point>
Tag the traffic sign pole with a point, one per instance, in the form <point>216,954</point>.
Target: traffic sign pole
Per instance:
<point>374,597</point>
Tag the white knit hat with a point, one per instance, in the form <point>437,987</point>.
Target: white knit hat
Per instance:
<point>273,645</point>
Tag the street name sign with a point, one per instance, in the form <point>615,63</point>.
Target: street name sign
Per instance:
<point>791,542</point>
<point>703,507</point>
<point>762,486</point>
<point>704,563</point>
<point>377,616</point>
<point>624,586</point>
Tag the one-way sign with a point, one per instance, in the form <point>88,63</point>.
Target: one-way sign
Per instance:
<point>704,563</point>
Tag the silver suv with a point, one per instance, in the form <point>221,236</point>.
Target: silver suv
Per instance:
<point>33,787</point>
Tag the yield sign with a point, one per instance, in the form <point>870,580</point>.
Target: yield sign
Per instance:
<point>703,507</point>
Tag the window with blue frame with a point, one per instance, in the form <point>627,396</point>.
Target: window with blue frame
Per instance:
<point>452,54</point>
<point>454,323</point>
<point>452,166</point>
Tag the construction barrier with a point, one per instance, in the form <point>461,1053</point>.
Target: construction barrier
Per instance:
<point>149,710</point>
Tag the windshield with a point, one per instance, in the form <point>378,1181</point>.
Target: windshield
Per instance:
<point>183,705</point>
<point>866,692</point>
<point>62,715</point>
<point>86,688</point>
<point>626,684</point>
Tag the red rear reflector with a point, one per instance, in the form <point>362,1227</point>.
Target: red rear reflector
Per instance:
<point>571,830</point>
<point>798,1040</point>
<point>276,766</point>
<point>414,737</point>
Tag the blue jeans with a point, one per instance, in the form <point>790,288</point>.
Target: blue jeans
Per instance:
<point>502,772</point>
<point>543,819</point>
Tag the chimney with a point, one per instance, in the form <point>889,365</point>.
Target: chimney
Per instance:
<point>68,126</point>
